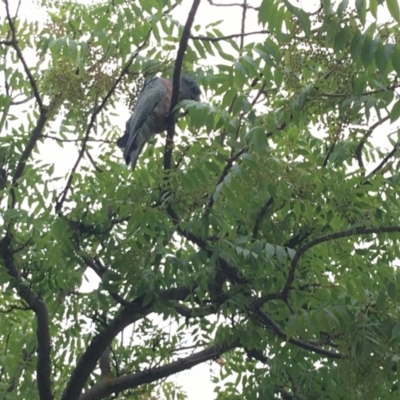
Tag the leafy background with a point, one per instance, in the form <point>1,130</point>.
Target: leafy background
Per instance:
<point>268,245</point>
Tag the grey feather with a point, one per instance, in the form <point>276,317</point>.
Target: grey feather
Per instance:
<point>148,118</point>
<point>139,127</point>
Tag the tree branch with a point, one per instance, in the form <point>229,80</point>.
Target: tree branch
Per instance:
<point>328,238</point>
<point>87,362</point>
<point>27,152</point>
<point>26,357</point>
<point>260,216</point>
<point>14,44</point>
<point>233,36</point>
<point>243,26</point>
<point>244,5</point>
<point>127,315</point>
<point>368,133</point>
<point>389,155</point>
<point>274,327</point>
<point>176,84</point>
<point>103,389</point>
<point>90,139</point>
<point>104,363</point>
<point>39,307</point>
<point>224,173</point>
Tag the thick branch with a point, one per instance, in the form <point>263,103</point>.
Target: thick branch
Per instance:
<point>39,307</point>
<point>176,83</point>
<point>87,362</point>
<point>328,238</point>
<point>102,340</point>
<point>104,389</point>
<point>104,363</point>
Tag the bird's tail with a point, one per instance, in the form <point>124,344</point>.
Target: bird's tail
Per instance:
<point>136,142</point>
<point>133,157</point>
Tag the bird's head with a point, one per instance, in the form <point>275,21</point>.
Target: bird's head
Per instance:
<point>189,89</point>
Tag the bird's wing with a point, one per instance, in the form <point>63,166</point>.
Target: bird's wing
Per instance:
<point>140,127</point>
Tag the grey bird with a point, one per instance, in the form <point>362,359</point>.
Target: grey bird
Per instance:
<point>150,115</point>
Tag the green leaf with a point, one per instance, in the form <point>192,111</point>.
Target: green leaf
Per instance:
<point>269,251</point>
<point>395,332</point>
<point>327,6</point>
<point>356,45</point>
<point>291,252</point>
<point>395,112</point>
<point>396,60</point>
<point>381,300</point>
<point>341,39</point>
<point>368,50</point>
<point>217,191</point>
<point>392,290</point>
<point>394,9</point>
<point>264,12</point>
<point>381,60</point>
<point>361,6</point>
<point>373,7</point>
<point>302,16</point>
<point>342,6</point>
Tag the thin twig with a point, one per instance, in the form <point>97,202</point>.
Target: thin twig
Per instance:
<point>244,5</point>
<point>234,35</point>
<point>328,154</point>
<point>389,155</point>
<point>243,26</point>
<point>368,133</point>
<point>224,173</point>
<point>274,327</point>
<point>260,216</point>
<point>19,102</point>
<point>62,196</point>
<point>95,166</point>
<point>21,58</point>
<point>90,139</point>
<point>260,92</point>
<point>27,152</point>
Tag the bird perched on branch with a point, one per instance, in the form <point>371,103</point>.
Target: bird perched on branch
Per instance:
<point>150,115</point>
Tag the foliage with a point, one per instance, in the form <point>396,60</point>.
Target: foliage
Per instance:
<point>269,244</point>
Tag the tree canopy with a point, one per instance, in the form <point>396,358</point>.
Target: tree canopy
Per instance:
<point>261,232</point>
